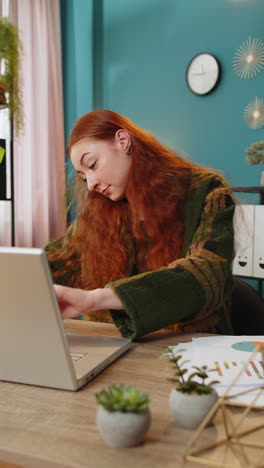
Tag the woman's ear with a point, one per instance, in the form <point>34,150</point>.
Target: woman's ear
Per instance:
<point>123,139</point>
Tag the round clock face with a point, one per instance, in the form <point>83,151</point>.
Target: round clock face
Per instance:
<point>203,73</point>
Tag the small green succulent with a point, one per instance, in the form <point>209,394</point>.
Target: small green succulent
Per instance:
<point>123,398</point>
<point>190,384</point>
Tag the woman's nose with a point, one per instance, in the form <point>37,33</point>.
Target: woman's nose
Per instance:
<point>91,182</point>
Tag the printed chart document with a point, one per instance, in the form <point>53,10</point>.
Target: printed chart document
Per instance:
<point>227,355</point>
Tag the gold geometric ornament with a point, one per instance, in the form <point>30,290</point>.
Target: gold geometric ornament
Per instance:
<point>254,114</point>
<point>249,58</point>
<point>239,437</point>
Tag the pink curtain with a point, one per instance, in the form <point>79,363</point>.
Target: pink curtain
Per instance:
<point>39,163</point>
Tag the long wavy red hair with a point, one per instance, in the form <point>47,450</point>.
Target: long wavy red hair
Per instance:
<point>111,236</point>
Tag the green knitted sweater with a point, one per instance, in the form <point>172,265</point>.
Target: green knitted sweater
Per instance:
<point>193,291</point>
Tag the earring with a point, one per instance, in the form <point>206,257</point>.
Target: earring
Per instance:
<point>129,152</point>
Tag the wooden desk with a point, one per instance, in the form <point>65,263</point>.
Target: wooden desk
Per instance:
<point>46,428</point>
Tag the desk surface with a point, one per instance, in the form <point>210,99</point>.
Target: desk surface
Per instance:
<point>46,428</point>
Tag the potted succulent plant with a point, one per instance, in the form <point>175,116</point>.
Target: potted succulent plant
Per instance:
<point>10,83</point>
<point>192,398</point>
<point>123,416</point>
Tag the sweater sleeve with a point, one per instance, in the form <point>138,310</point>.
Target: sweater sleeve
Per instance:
<point>191,287</point>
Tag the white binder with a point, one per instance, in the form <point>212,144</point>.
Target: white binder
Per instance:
<point>244,240</point>
<point>258,255</point>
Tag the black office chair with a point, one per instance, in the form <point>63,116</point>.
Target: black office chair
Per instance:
<point>247,310</point>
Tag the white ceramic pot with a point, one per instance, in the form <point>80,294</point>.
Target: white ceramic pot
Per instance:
<point>189,409</point>
<point>120,429</point>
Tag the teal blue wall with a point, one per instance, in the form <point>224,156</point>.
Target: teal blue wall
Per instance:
<point>77,58</point>
<point>131,56</point>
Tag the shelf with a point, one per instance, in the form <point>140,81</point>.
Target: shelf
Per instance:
<point>10,198</point>
<point>259,189</point>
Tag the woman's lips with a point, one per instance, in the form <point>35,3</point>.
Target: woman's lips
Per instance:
<point>106,190</point>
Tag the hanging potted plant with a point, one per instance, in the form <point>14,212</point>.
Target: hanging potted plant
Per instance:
<point>10,82</point>
<point>255,155</point>
<point>192,397</point>
<point>123,416</point>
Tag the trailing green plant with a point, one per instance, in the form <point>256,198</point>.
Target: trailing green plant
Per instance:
<point>10,52</point>
<point>123,398</point>
<point>255,153</point>
<point>189,384</point>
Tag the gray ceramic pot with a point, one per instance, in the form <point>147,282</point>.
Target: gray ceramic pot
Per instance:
<point>189,409</point>
<point>120,429</point>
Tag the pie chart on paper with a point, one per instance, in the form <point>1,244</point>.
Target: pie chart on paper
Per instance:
<point>247,346</point>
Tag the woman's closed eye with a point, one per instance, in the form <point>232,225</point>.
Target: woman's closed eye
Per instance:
<point>92,166</point>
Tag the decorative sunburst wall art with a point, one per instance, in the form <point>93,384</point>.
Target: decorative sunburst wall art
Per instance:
<point>254,114</point>
<point>249,58</point>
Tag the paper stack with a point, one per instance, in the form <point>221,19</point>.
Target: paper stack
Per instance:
<point>227,355</point>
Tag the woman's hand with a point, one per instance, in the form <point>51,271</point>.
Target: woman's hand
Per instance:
<point>74,302</point>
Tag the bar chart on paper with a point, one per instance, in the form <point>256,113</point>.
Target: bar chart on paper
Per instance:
<point>253,369</point>
<point>234,359</point>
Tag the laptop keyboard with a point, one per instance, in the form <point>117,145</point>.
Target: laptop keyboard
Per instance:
<point>77,356</point>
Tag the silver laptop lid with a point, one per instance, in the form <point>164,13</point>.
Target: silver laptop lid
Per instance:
<point>33,347</point>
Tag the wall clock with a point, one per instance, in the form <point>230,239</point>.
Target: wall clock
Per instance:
<point>203,73</point>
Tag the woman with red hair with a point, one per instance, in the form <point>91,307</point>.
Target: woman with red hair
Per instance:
<point>152,242</point>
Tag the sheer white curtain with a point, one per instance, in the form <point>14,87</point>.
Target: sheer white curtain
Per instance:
<point>5,205</point>
<point>39,166</point>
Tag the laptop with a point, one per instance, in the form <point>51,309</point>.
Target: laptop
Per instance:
<point>34,348</point>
